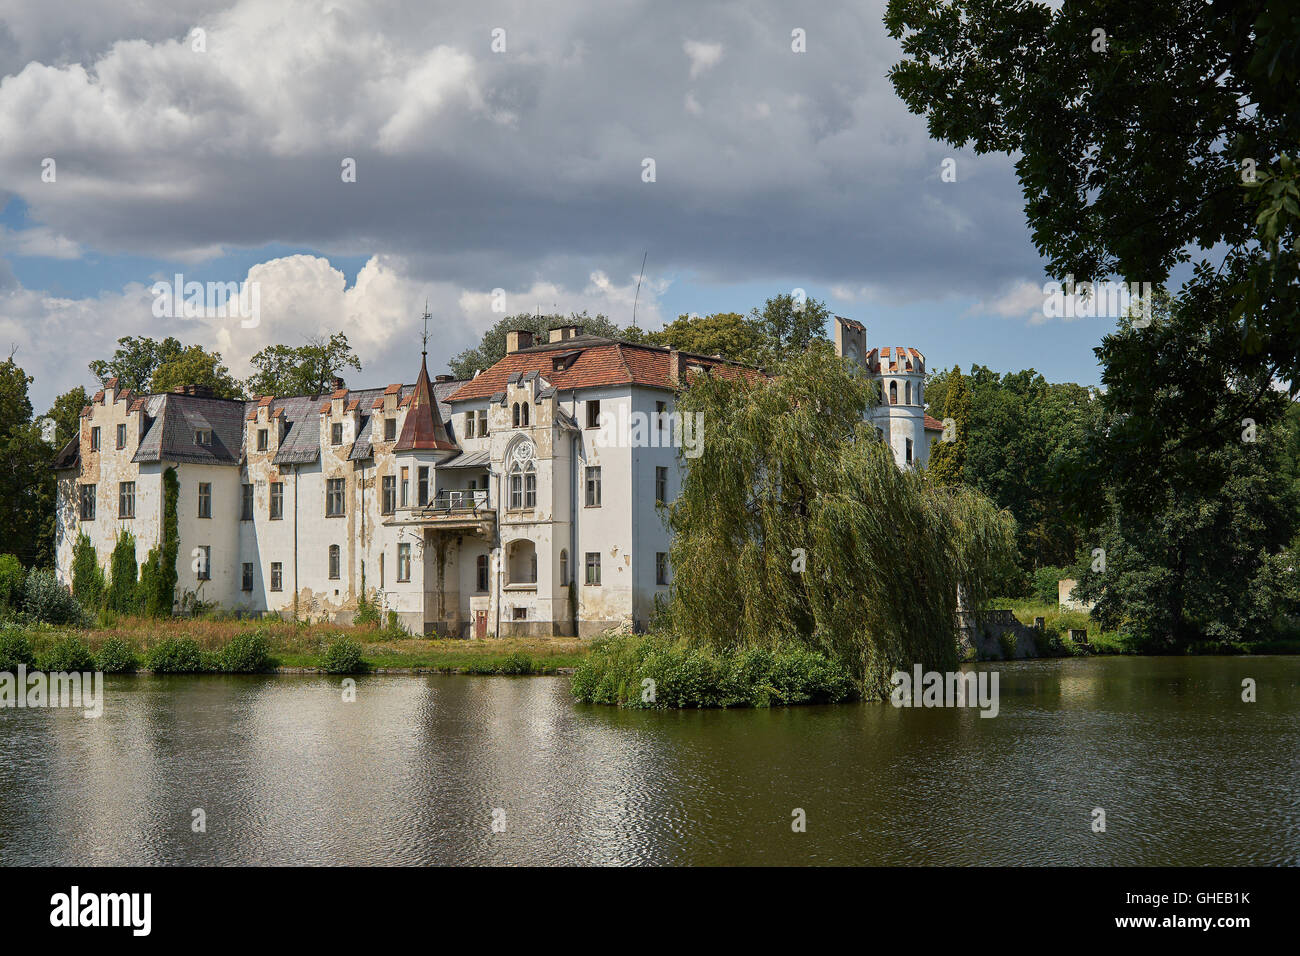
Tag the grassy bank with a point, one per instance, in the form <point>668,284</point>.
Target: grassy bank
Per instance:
<point>221,645</point>
<point>650,672</point>
<point>1058,621</point>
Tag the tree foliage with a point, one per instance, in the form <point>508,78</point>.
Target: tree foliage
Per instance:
<point>1134,144</point>
<point>87,575</point>
<point>1191,448</point>
<point>135,360</point>
<point>728,334</point>
<point>493,347</point>
<point>302,370</point>
<point>795,526</point>
<point>947,465</point>
<point>158,574</point>
<point>123,588</point>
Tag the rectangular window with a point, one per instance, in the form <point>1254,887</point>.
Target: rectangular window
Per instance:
<point>482,572</point>
<point>261,439</point>
<point>277,500</point>
<point>908,450</point>
<point>336,433</point>
<point>87,502</point>
<point>593,486</point>
<point>530,490</point>
<point>521,614</point>
<point>423,489</point>
<point>403,562</point>
<point>389,503</point>
<point>593,413</point>
<point>121,436</point>
<point>482,424</point>
<point>469,424</point>
<point>203,436</point>
<point>126,499</point>
<point>661,419</point>
<point>390,429</point>
<point>661,567</point>
<point>247,583</point>
<point>516,491</point>
<point>661,485</point>
<point>406,487</point>
<point>334,562</point>
<point>246,502</point>
<point>205,499</point>
<point>94,438</point>
<point>334,497</point>
<point>277,576</point>
<point>205,563</point>
<point>593,568</point>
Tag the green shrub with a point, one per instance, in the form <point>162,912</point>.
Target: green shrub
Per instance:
<point>517,663</point>
<point>394,630</point>
<point>616,671</point>
<point>116,656</point>
<point>343,656</point>
<point>367,611</point>
<point>15,649</point>
<point>123,588</point>
<point>1045,583</point>
<point>12,576</point>
<point>248,653</point>
<point>67,655</point>
<point>50,602</point>
<point>176,655</point>
<point>87,576</point>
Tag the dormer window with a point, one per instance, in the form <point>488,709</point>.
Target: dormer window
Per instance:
<point>203,436</point>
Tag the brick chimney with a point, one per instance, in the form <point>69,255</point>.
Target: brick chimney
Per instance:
<point>518,340</point>
<point>444,378</point>
<point>197,391</point>
<point>674,366</point>
<point>565,332</point>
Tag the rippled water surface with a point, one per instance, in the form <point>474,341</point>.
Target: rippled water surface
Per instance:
<point>288,773</point>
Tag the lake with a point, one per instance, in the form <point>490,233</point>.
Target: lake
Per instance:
<point>286,772</point>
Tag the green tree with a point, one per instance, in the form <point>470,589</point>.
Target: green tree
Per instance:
<point>66,414</point>
<point>158,573</point>
<point>948,457</point>
<point>123,589</point>
<point>135,361</point>
<point>728,334</point>
<point>1200,505</point>
<point>302,370</point>
<point>196,366</point>
<point>795,526</point>
<point>788,327</point>
<point>493,347</point>
<point>87,576</point>
<point>1136,143</point>
<point>26,481</point>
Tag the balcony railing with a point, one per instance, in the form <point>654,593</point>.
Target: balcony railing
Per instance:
<point>472,500</point>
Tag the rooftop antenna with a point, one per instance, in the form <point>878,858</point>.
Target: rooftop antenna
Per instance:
<point>424,341</point>
<point>638,289</point>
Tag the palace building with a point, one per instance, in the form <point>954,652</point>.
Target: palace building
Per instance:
<point>496,505</point>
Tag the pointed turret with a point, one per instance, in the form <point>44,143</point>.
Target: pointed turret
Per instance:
<point>423,429</point>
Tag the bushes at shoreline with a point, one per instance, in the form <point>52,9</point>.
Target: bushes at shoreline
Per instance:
<point>617,670</point>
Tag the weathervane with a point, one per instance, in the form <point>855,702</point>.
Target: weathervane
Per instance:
<point>424,341</point>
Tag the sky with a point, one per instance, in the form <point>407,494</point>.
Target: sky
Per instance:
<point>496,146</point>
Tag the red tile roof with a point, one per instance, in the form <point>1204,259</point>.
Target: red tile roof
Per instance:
<point>933,424</point>
<point>603,362</point>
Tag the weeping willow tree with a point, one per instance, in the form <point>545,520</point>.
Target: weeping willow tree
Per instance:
<point>794,525</point>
